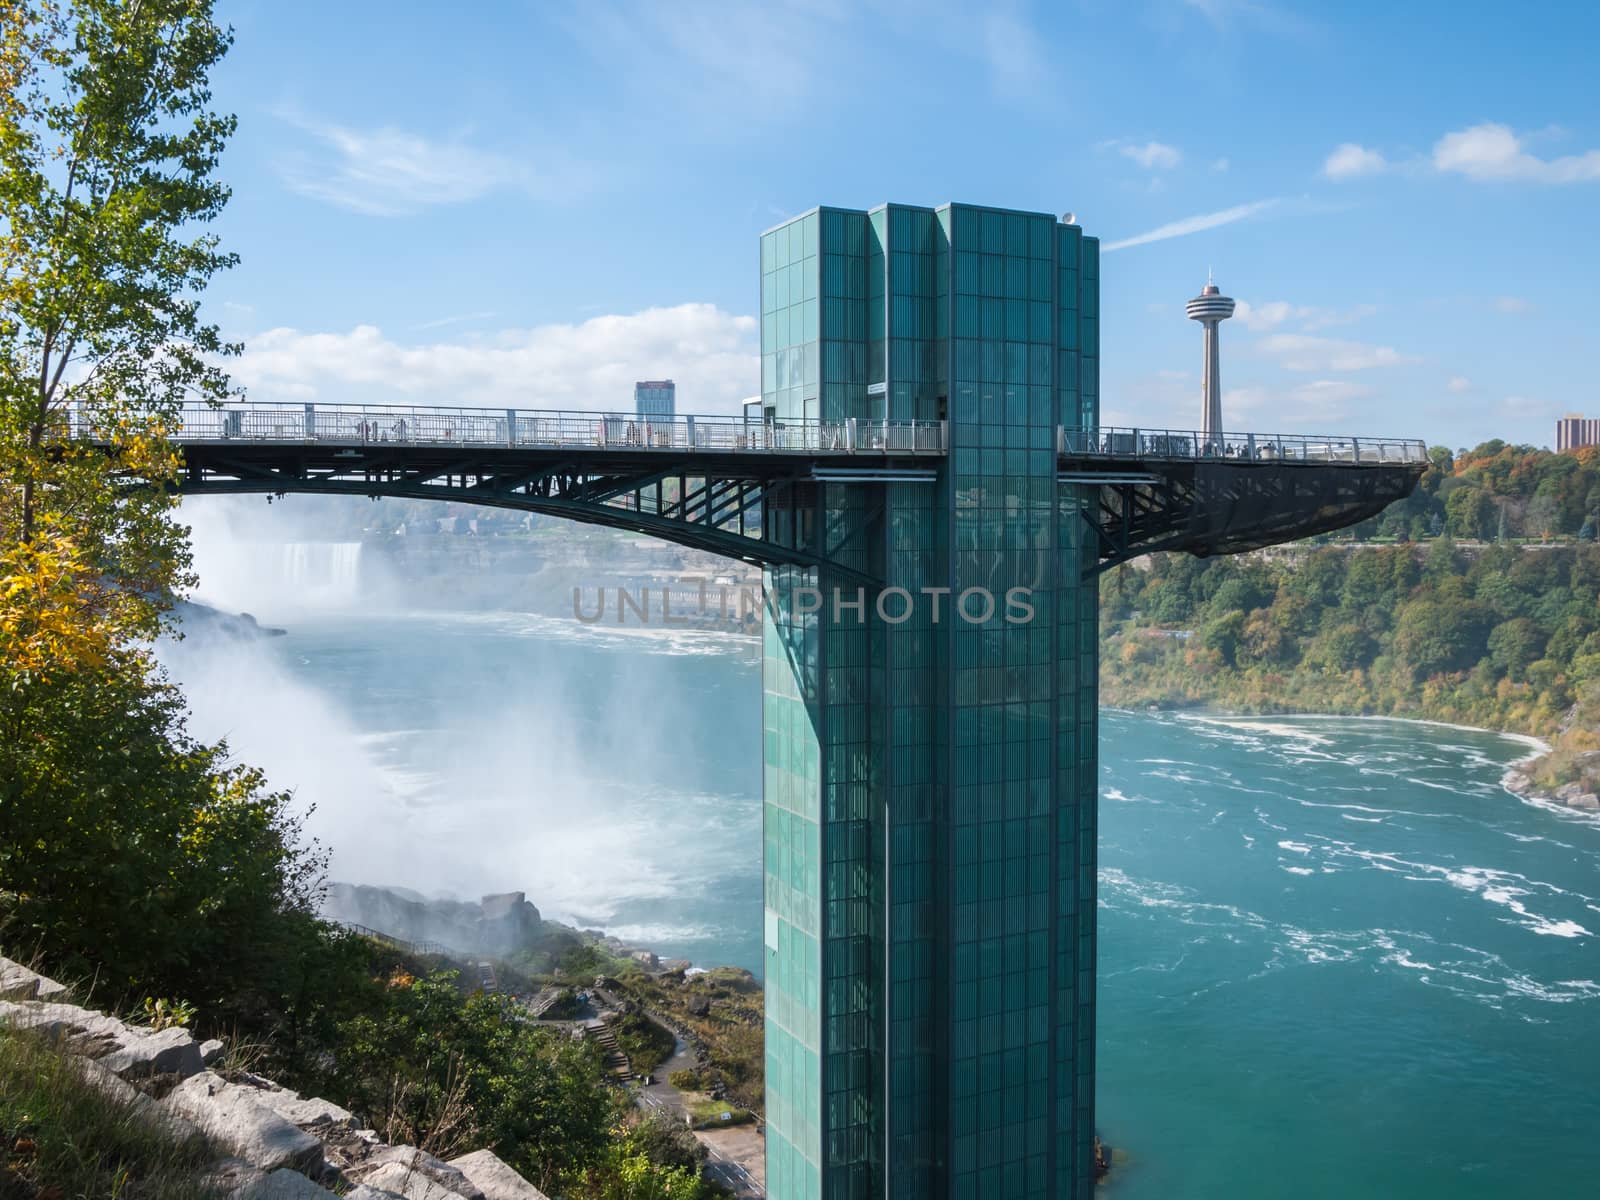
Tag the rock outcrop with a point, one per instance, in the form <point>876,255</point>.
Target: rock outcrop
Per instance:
<point>271,1143</point>
<point>1572,795</point>
<point>499,924</point>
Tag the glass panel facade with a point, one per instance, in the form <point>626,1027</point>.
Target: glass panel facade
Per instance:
<point>930,763</point>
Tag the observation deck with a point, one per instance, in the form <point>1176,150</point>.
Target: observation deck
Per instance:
<point>707,481</point>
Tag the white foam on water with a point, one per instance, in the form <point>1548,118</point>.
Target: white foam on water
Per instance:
<point>1298,870</point>
<point>655,934</point>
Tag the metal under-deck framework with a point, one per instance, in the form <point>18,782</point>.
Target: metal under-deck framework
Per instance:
<point>746,490</point>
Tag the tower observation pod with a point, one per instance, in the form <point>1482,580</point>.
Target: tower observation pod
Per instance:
<point>1211,308</point>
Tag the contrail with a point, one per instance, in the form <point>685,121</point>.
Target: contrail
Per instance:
<point>1192,225</point>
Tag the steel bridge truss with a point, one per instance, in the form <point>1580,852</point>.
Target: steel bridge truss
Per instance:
<point>1228,508</point>
<point>766,508</point>
<point>699,501</point>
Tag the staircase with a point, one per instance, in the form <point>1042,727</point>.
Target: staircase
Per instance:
<point>616,1061</point>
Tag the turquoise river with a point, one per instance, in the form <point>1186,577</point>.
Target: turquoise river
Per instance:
<point>1337,958</point>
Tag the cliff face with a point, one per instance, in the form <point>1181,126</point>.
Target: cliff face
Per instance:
<point>498,925</point>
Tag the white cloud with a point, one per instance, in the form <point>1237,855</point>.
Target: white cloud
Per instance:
<point>1526,406</point>
<point>1270,314</point>
<point>1012,50</point>
<point>391,172</point>
<point>1492,151</point>
<point>1513,304</point>
<point>1263,316</point>
<point>592,366</point>
<point>1303,352</point>
<point>1459,384</point>
<point>1152,156</point>
<point>458,319</point>
<point>1190,225</point>
<point>1351,160</point>
<point>1219,165</point>
<point>1295,408</point>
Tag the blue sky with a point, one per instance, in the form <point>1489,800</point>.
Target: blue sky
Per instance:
<point>536,204</point>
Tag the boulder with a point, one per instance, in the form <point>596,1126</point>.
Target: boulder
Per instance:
<point>228,1176</point>
<point>307,1114</point>
<point>57,1022</point>
<point>497,1181</point>
<point>174,1126</point>
<point>394,1179</point>
<point>229,1114</point>
<point>411,1173</point>
<point>165,1052</point>
<point>1584,800</point>
<point>282,1184</point>
<point>211,1051</point>
<point>368,1192</point>
<point>17,982</point>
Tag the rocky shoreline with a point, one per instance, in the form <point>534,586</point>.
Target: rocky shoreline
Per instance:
<point>1571,795</point>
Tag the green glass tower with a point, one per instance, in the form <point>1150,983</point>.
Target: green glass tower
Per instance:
<point>930,761</point>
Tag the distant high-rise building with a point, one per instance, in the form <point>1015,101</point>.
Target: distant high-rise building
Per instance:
<point>655,399</point>
<point>1210,308</point>
<point>1574,432</point>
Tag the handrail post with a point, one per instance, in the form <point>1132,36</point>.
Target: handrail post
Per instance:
<point>1355,450</point>
<point>511,427</point>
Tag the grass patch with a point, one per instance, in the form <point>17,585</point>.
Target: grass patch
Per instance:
<point>723,1009</point>
<point>62,1136</point>
<point>646,1044</point>
<point>705,1113</point>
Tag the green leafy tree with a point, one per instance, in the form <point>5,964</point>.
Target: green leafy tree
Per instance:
<point>444,1070</point>
<point>107,148</point>
<point>1469,513</point>
<point>1514,645</point>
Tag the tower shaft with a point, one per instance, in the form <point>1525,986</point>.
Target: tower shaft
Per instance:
<point>1211,384</point>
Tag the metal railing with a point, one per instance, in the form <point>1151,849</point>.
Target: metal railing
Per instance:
<point>1187,444</point>
<point>361,424</point>
<point>358,424</point>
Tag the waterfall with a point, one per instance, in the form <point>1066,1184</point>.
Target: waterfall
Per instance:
<point>321,574</point>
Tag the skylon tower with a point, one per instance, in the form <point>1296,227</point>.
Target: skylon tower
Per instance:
<point>1210,308</point>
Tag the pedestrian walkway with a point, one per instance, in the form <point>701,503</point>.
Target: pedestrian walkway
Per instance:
<point>616,1061</point>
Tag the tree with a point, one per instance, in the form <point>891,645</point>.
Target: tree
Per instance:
<point>1514,644</point>
<point>1441,635</point>
<point>1222,635</point>
<point>1469,513</point>
<point>107,148</point>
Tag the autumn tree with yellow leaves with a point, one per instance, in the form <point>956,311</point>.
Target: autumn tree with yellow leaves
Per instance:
<point>127,849</point>
<point>108,145</point>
